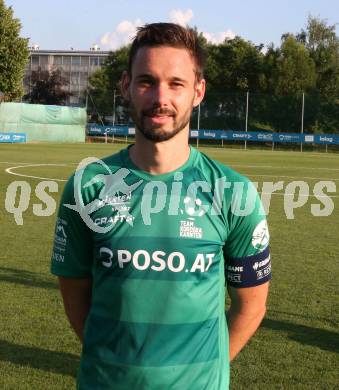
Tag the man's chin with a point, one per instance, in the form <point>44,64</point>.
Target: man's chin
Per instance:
<point>158,133</point>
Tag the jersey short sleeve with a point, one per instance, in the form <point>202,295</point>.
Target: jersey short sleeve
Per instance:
<point>246,251</point>
<point>72,254</point>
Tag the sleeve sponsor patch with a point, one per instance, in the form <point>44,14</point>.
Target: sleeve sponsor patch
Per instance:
<point>260,237</point>
<point>248,271</point>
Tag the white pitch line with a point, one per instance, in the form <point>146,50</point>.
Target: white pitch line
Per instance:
<point>275,167</point>
<point>30,163</point>
<point>294,177</point>
<point>320,169</point>
<point>228,164</point>
<point>301,195</point>
<point>251,166</point>
<point>9,170</point>
<point>281,152</point>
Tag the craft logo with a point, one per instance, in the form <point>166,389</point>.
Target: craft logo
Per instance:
<point>120,210</point>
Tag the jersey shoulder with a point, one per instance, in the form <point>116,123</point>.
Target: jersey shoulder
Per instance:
<point>90,174</point>
<point>214,169</point>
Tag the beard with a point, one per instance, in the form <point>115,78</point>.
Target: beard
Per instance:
<point>156,133</point>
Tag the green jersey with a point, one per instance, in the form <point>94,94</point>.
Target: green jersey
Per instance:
<point>158,248</point>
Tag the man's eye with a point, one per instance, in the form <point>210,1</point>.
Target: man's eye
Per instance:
<point>144,83</point>
<point>177,84</point>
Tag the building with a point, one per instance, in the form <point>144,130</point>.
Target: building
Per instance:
<point>75,66</point>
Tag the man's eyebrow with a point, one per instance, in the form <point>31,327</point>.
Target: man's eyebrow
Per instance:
<point>144,76</point>
<point>181,80</point>
<point>151,77</point>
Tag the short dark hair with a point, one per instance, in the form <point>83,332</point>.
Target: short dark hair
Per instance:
<point>169,34</point>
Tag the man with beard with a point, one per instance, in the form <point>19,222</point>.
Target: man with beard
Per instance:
<point>143,278</point>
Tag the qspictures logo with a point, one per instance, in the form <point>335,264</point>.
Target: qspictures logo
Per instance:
<point>18,199</point>
<point>118,188</point>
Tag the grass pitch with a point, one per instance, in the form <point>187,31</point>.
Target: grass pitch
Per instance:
<point>297,343</point>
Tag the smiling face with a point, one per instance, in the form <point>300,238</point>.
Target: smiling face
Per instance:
<point>162,91</point>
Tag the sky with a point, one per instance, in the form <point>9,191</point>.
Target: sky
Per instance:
<point>78,24</point>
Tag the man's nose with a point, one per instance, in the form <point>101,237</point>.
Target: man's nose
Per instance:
<point>160,96</point>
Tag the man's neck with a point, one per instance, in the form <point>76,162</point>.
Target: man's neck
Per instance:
<point>160,157</point>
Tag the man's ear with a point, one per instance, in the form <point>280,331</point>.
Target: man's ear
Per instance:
<point>125,83</point>
<point>200,87</point>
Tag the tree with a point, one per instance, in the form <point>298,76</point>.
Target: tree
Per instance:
<point>13,54</point>
<point>290,72</point>
<point>295,70</point>
<point>322,42</point>
<point>235,65</point>
<point>104,81</point>
<point>48,88</point>
<point>99,93</point>
<point>233,68</point>
<point>323,45</point>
